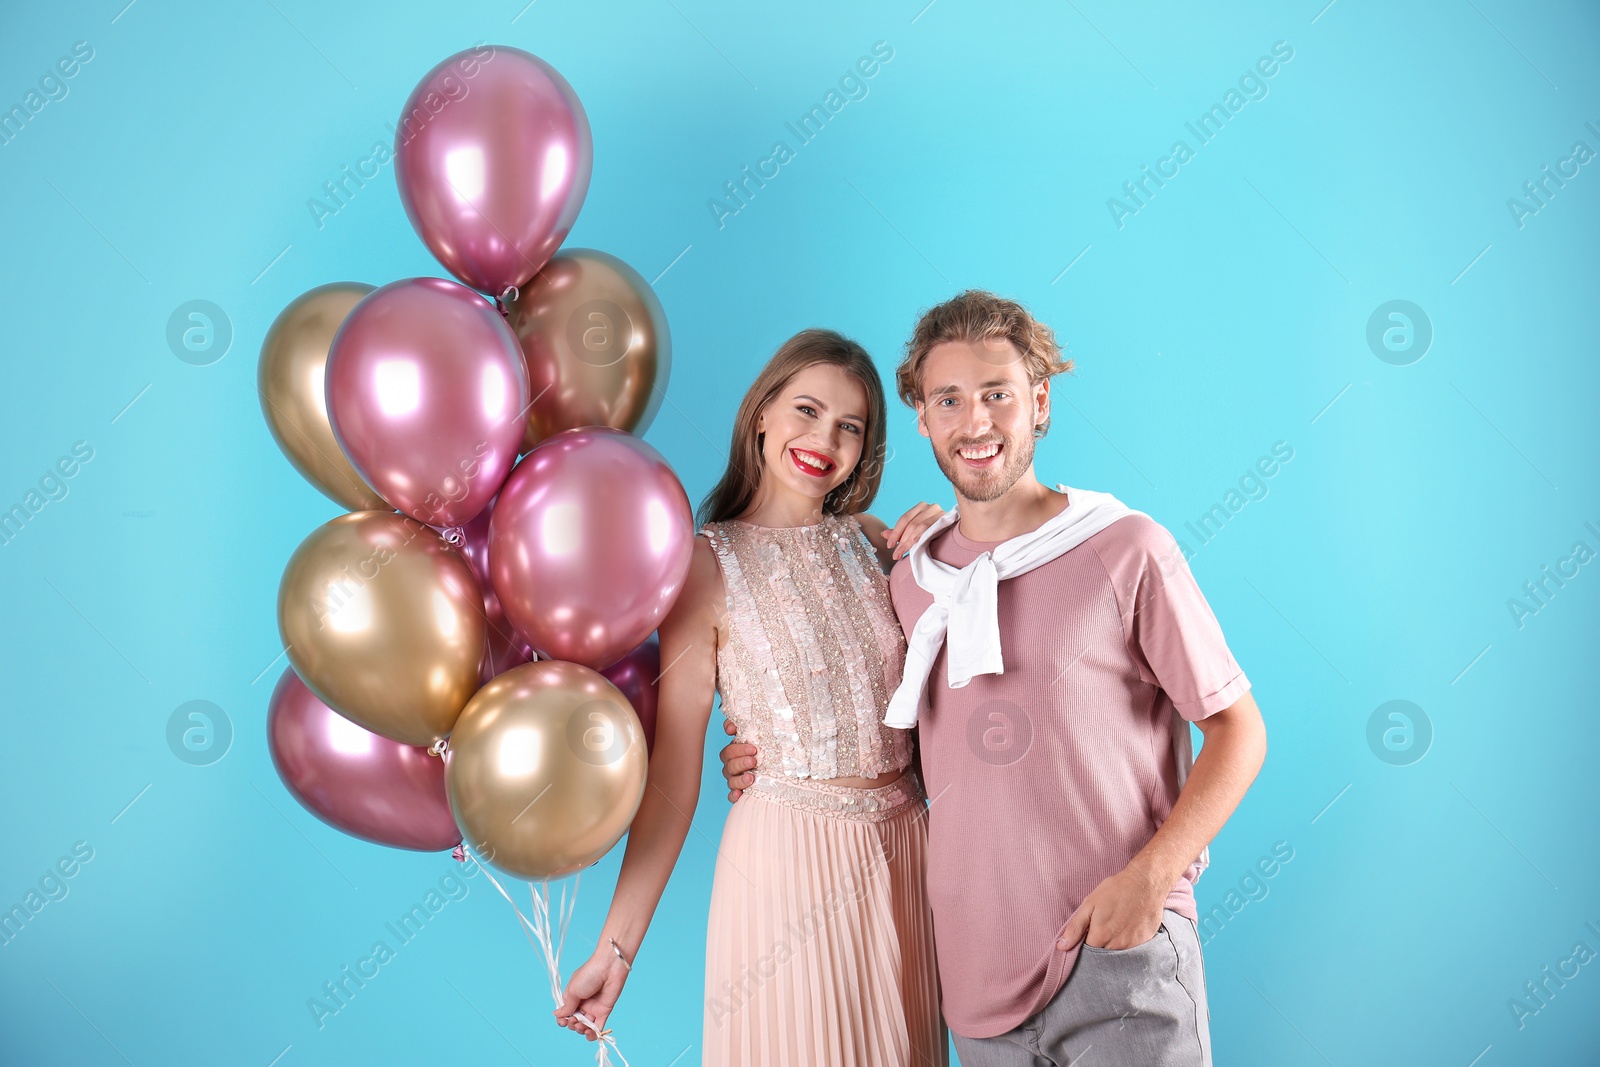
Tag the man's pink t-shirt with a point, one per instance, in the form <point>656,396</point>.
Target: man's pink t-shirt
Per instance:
<point>1048,778</point>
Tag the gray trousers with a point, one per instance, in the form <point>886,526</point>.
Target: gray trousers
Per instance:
<point>1143,1006</point>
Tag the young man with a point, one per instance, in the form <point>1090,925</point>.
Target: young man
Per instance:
<point>1058,648</point>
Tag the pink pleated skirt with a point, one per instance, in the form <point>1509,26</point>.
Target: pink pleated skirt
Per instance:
<point>820,943</point>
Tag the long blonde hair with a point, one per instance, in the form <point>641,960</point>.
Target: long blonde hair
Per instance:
<point>737,488</point>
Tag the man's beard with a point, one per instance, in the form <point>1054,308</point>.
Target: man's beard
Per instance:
<point>980,487</point>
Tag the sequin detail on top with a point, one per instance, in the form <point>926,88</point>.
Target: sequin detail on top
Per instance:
<point>814,650</point>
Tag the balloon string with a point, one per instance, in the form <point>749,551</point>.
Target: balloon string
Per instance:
<point>538,931</point>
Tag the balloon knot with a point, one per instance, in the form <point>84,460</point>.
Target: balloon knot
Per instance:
<point>459,854</point>
<point>507,295</point>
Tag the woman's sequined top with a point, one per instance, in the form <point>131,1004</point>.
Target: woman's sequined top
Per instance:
<point>814,650</point>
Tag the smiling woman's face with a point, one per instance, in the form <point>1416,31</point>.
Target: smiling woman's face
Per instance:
<point>815,429</point>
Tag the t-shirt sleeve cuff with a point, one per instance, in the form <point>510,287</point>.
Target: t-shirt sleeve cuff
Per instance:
<point>1222,698</point>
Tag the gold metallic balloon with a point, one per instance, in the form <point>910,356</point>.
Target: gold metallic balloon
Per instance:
<point>289,379</point>
<point>596,342</point>
<point>383,621</point>
<point>546,769</point>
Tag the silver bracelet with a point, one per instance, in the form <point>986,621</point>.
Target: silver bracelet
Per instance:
<point>618,952</point>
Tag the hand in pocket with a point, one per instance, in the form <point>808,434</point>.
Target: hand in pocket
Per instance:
<point>1124,911</point>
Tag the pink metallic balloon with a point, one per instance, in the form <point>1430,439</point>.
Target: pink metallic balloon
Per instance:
<point>589,544</point>
<point>493,156</point>
<point>506,648</point>
<point>638,675</point>
<point>427,394</point>
<point>355,780</point>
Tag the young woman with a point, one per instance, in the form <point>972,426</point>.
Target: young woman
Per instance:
<point>820,944</point>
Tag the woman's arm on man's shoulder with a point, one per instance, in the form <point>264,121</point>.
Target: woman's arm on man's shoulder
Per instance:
<point>892,542</point>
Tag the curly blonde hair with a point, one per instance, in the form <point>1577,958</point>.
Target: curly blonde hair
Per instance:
<point>975,316</point>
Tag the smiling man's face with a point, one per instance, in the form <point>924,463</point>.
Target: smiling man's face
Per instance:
<point>979,411</point>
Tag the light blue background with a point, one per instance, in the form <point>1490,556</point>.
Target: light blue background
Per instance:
<point>1230,313</point>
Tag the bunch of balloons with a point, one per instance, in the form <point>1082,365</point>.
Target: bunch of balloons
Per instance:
<point>506,604</point>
